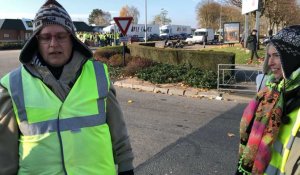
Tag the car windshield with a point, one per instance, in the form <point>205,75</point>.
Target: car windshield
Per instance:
<point>164,30</point>
<point>200,33</point>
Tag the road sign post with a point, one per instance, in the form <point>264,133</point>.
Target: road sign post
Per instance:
<point>123,23</point>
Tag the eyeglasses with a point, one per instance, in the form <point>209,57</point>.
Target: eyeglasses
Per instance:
<point>46,38</point>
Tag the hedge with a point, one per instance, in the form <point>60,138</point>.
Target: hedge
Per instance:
<point>108,51</point>
<point>11,45</point>
<point>206,60</point>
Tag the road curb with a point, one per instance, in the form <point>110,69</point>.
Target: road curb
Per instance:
<point>177,90</point>
<point>144,88</point>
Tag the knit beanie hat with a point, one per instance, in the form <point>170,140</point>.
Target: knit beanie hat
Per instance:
<point>51,13</point>
<point>287,44</point>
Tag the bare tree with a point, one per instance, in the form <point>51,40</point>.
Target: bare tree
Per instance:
<point>162,19</point>
<point>215,18</point>
<point>232,14</point>
<point>237,3</point>
<point>99,17</point>
<point>130,11</point>
<point>281,13</point>
<point>207,17</point>
<point>294,19</point>
<point>157,20</point>
<point>278,13</point>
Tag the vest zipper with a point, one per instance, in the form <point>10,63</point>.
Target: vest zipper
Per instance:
<point>60,143</point>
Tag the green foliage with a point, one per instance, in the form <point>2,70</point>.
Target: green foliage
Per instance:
<point>164,73</point>
<point>115,72</point>
<point>201,79</point>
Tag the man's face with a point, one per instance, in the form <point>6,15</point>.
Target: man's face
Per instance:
<point>274,62</point>
<point>55,45</point>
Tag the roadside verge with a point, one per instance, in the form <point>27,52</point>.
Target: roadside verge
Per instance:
<point>181,90</point>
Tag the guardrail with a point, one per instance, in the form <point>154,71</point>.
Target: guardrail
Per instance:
<point>237,77</point>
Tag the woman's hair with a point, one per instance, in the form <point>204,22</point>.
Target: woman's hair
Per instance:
<point>265,67</point>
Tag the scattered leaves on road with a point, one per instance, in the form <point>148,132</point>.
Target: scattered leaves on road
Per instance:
<point>230,134</point>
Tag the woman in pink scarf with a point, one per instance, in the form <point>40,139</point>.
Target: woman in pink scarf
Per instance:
<point>269,128</point>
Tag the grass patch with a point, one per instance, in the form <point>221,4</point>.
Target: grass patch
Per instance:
<point>241,56</point>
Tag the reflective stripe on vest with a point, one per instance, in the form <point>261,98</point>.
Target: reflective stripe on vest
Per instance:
<point>272,170</point>
<point>66,124</point>
<point>278,147</point>
<point>280,152</point>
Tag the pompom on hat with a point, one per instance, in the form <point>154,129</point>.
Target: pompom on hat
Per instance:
<point>287,44</point>
<point>51,12</point>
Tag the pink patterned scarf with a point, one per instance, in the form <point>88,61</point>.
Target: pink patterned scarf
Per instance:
<point>258,130</point>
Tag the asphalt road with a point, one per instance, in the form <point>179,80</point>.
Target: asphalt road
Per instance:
<point>8,61</point>
<point>173,134</point>
<point>180,135</point>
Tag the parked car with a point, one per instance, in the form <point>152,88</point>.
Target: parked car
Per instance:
<point>174,37</point>
<point>163,37</point>
<point>153,37</point>
<point>134,38</point>
<point>183,36</point>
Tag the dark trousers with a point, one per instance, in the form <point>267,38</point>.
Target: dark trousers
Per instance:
<point>254,52</point>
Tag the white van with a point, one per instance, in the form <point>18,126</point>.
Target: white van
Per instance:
<point>172,31</point>
<point>198,36</point>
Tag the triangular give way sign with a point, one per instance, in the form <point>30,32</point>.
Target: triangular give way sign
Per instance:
<point>123,23</point>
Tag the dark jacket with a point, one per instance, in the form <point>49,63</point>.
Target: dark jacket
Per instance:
<point>252,42</point>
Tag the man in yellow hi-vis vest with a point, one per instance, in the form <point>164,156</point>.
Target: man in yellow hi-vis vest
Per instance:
<point>58,111</point>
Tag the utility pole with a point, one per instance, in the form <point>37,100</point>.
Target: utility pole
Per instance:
<point>164,14</point>
<point>257,22</point>
<point>246,29</point>
<point>220,17</point>
<point>145,21</point>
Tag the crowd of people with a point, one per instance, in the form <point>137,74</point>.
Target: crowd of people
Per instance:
<point>97,39</point>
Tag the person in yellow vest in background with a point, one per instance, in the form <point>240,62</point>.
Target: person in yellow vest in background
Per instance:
<point>58,110</point>
<point>269,128</point>
<point>117,38</point>
<point>102,40</point>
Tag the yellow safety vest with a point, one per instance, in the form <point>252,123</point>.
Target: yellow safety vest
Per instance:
<point>57,137</point>
<point>282,146</point>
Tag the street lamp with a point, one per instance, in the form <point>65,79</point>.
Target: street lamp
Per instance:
<point>164,13</point>
<point>145,21</point>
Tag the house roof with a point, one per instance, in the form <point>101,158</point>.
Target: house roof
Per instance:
<point>82,26</point>
<point>11,24</point>
<point>17,24</point>
<point>98,28</point>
